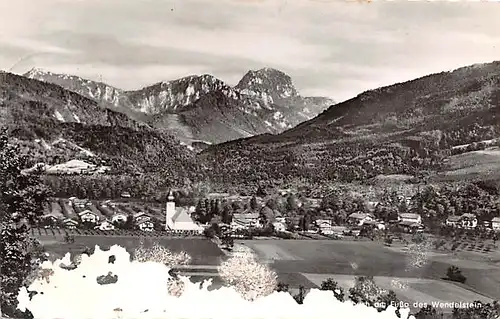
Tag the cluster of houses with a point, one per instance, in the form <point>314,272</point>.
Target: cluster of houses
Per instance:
<point>106,216</point>
<point>470,221</point>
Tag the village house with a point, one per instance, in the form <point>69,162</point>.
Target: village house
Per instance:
<point>468,221</point>
<point>495,224</point>
<point>279,226</point>
<point>324,226</point>
<point>80,203</point>
<point>88,216</point>
<point>119,217</point>
<point>411,227</point>
<point>178,219</point>
<point>145,225</point>
<point>105,225</point>
<point>410,218</point>
<point>358,219</point>
<point>141,216</point>
<point>453,221</point>
<point>70,223</point>
<point>245,220</point>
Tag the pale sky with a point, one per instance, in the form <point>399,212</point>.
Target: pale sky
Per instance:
<point>331,48</point>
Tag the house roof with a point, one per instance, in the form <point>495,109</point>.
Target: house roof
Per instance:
<point>453,218</point>
<point>409,223</point>
<point>359,215</point>
<point>140,214</point>
<point>181,215</point>
<point>246,216</point>
<point>86,211</point>
<point>410,216</point>
<point>468,215</point>
<point>69,220</point>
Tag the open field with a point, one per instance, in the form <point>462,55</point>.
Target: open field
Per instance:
<point>202,251</point>
<point>369,258</point>
<point>308,262</point>
<point>475,164</point>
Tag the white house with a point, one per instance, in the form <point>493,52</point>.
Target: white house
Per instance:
<point>324,226</point>
<point>360,218</point>
<point>453,221</point>
<point>145,225</point>
<point>279,226</point>
<point>495,224</point>
<point>119,218</point>
<point>245,220</point>
<point>468,221</point>
<point>70,223</point>
<point>411,218</point>
<point>88,216</point>
<point>141,216</point>
<point>178,219</point>
<point>106,225</point>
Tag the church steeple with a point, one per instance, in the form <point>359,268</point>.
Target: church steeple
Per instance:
<point>170,212</point>
<point>170,197</point>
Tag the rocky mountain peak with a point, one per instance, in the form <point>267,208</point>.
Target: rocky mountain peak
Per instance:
<point>269,84</point>
<point>173,96</point>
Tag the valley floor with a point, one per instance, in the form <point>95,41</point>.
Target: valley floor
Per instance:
<point>416,277</point>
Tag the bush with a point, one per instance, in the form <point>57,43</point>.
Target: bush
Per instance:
<point>455,274</point>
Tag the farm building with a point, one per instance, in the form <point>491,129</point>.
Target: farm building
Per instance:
<point>279,226</point>
<point>411,218</point>
<point>140,216</point>
<point>245,220</point>
<point>360,218</point>
<point>324,226</point>
<point>411,227</point>
<point>495,224</point>
<point>70,223</point>
<point>453,221</point>
<point>145,225</point>
<point>87,215</point>
<point>468,221</point>
<point>178,219</point>
<point>105,225</point>
<point>119,217</point>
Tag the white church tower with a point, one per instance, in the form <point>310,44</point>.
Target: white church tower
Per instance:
<point>169,224</point>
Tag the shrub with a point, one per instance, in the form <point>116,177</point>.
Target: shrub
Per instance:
<point>455,274</point>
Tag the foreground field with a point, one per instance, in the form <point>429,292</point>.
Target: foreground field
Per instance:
<point>328,258</point>
<point>202,251</point>
<point>415,277</point>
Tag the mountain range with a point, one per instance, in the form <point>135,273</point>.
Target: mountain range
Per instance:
<point>202,108</point>
<point>39,115</point>
<point>408,128</point>
<point>405,128</point>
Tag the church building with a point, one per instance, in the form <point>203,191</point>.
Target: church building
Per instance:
<point>178,219</point>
